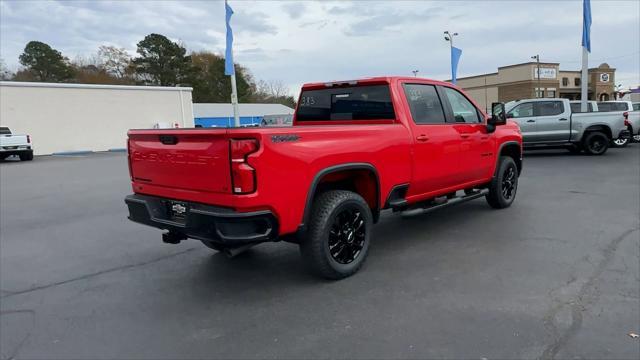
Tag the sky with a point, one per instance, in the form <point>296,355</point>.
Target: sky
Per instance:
<point>305,41</point>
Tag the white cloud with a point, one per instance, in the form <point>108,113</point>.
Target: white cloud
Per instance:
<point>298,42</point>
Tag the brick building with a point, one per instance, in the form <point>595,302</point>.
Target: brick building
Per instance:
<point>521,81</point>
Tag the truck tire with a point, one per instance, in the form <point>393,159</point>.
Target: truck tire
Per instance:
<point>596,143</point>
<point>337,242</point>
<point>503,187</point>
<point>620,143</point>
<point>26,156</point>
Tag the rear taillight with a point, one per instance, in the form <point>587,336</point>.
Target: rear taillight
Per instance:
<point>243,176</point>
<point>28,139</point>
<point>626,118</point>
<point>129,159</point>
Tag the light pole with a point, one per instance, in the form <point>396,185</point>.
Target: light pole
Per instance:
<point>537,58</point>
<point>415,72</point>
<point>449,37</point>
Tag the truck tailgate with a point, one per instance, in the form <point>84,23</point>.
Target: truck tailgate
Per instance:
<point>13,140</point>
<point>196,160</point>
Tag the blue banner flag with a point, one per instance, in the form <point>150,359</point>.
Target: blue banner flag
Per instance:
<point>228,54</point>
<point>455,58</point>
<point>586,24</point>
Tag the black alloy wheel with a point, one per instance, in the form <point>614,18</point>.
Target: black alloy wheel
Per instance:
<point>347,235</point>
<point>339,234</point>
<point>509,181</point>
<point>503,187</point>
<point>596,143</point>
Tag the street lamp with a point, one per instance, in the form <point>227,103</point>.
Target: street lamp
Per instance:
<point>449,37</point>
<point>415,72</point>
<point>537,59</point>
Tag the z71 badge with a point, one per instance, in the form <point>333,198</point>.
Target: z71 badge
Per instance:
<point>284,138</point>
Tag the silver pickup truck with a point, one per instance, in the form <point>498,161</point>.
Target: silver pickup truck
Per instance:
<point>549,123</point>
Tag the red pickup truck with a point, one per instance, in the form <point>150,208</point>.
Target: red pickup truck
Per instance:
<point>355,148</point>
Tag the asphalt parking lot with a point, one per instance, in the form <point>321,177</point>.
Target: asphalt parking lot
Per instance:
<point>555,276</point>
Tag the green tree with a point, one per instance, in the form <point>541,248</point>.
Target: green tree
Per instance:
<point>161,61</point>
<point>44,63</point>
<point>210,84</point>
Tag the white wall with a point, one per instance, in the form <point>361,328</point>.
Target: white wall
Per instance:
<point>78,117</point>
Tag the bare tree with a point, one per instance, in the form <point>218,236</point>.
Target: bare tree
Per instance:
<point>272,89</point>
<point>5,73</point>
<point>115,61</point>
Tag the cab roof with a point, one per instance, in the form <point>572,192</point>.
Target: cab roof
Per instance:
<point>373,80</point>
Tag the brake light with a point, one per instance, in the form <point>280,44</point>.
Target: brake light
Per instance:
<point>243,176</point>
<point>28,139</point>
<point>626,118</point>
<point>129,159</point>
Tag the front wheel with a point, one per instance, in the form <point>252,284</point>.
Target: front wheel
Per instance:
<point>636,138</point>
<point>596,143</point>
<point>503,187</point>
<point>339,233</point>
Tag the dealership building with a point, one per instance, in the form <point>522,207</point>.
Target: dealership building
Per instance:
<point>521,81</point>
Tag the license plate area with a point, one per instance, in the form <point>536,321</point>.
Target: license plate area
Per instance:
<point>177,211</point>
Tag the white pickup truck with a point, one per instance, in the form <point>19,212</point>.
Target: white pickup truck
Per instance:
<point>633,115</point>
<point>11,144</point>
<point>550,122</point>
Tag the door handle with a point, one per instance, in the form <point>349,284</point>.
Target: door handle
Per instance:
<point>464,136</point>
<point>422,137</point>
<point>531,121</point>
<point>562,119</point>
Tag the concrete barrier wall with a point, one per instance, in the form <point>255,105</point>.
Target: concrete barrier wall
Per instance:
<point>79,117</point>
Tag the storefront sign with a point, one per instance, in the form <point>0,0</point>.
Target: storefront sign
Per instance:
<point>545,73</point>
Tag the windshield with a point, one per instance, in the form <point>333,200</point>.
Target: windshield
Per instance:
<point>372,102</point>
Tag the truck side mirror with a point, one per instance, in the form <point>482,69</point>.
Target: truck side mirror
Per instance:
<point>498,116</point>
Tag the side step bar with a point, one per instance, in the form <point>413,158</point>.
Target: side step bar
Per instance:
<point>457,200</point>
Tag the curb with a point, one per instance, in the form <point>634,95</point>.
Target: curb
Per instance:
<point>71,153</point>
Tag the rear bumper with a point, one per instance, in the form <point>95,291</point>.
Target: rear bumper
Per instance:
<point>13,150</point>
<point>217,225</point>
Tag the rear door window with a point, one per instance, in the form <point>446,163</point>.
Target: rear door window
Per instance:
<point>636,107</point>
<point>548,108</point>
<point>371,102</point>
<point>463,109</point>
<point>425,105</point>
